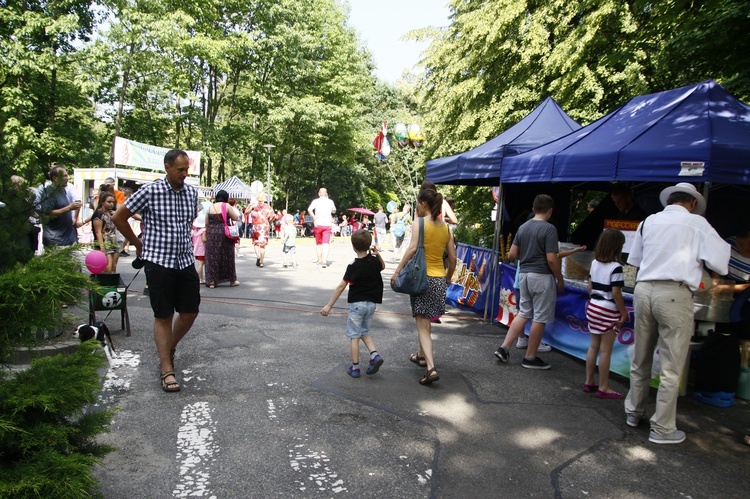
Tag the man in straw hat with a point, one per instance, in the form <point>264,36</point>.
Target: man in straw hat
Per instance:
<point>670,249</point>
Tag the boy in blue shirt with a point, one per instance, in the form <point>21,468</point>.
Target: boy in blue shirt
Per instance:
<point>365,290</point>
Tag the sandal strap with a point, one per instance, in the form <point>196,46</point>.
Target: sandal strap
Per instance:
<point>167,374</point>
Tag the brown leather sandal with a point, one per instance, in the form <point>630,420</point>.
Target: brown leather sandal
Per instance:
<point>169,386</point>
<point>420,361</point>
<point>429,376</point>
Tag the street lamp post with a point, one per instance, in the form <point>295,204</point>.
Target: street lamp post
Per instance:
<point>269,147</point>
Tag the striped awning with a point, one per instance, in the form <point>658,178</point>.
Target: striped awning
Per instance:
<point>235,187</point>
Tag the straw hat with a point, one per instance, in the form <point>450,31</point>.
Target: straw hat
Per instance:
<point>700,208</point>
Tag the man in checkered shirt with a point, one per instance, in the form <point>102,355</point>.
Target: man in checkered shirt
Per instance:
<point>168,208</point>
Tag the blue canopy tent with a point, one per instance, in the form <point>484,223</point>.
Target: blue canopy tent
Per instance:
<point>697,133</point>
<point>482,165</point>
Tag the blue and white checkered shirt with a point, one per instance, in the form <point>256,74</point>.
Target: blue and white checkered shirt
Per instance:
<point>167,218</point>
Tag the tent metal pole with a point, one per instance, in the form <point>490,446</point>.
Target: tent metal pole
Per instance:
<point>495,261</point>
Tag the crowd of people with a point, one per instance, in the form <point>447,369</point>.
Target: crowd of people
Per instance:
<point>176,231</point>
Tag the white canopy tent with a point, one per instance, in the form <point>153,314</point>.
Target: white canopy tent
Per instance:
<point>235,187</point>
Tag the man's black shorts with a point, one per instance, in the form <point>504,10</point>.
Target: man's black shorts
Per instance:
<point>172,290</point>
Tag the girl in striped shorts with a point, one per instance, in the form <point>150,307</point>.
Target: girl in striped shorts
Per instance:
<point>605,310</point>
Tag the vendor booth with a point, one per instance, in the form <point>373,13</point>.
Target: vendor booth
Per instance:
<point>698,134</point>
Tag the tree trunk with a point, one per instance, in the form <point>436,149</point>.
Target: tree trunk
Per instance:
<point>121,103</point>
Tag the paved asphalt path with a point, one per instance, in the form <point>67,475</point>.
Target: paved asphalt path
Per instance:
<point>267,410</point>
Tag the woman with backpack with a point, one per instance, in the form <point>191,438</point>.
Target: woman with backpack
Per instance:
<point>399,229</point>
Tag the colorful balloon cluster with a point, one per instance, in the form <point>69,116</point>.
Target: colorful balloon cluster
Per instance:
<point>410,136</point>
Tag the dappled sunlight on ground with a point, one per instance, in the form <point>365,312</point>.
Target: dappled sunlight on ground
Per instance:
<point>640,453</point>
<point>536,437</point>
<point>453,409</point>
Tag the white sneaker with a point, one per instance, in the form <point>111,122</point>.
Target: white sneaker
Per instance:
<point>543,347</point>
<point>523,342</point>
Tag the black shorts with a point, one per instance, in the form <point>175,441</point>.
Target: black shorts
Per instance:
<point>172,290</point>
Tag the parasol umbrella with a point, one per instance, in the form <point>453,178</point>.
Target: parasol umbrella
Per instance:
<point>363,211</point>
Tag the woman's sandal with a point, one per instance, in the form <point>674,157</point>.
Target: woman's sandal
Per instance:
<point>169,386</point>
<point>420,361</point>
<point>429,376</point>
<point>235,284</point>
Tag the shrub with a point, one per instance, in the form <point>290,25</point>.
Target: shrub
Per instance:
<point>47,441</point>
<point>31,294</point>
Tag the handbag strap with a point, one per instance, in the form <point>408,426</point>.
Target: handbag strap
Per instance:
<point>421,233</point>
<point>224,213</point>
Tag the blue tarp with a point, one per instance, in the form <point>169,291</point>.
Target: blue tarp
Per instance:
<point>692,134</point>
<point>481,165</point>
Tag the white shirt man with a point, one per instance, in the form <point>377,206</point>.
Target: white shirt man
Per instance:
<point>322,210</point>
<point>670,249</point>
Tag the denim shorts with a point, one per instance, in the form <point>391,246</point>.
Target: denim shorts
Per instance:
<point>358,322</point>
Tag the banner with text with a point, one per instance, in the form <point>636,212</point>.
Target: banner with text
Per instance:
<point>569,332</point>
<point>131,153</point>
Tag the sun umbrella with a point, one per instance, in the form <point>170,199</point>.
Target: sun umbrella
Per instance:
<point>363,211</point>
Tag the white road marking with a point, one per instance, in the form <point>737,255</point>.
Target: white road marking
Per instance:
<point>122,367</point>
<point>195,451</point>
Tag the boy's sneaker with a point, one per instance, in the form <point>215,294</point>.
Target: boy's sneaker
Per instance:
<point>374,364</point>
<point>502,354</point>
<point>676,437</point>
<point>354,373</point>
<point>535,363</point>
<point>523,342</point>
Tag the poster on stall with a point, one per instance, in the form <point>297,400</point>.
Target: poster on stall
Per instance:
<point>569,332</point>
<point>470,286</point>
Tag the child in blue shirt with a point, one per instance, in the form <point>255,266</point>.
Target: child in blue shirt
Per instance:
<point>365,290</point>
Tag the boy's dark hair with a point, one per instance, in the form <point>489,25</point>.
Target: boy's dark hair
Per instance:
<point>361,240</point>
<point>609,247</point>
<point>543,203</point>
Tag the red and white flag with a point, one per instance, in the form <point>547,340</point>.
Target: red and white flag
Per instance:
<point>381,143</point>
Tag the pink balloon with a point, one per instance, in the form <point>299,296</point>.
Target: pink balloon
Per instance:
<point>96,262</point>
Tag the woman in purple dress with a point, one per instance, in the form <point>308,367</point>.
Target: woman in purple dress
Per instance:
<point>219,263</point>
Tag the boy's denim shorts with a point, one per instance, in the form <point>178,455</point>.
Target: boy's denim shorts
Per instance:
<point>360,315</point>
